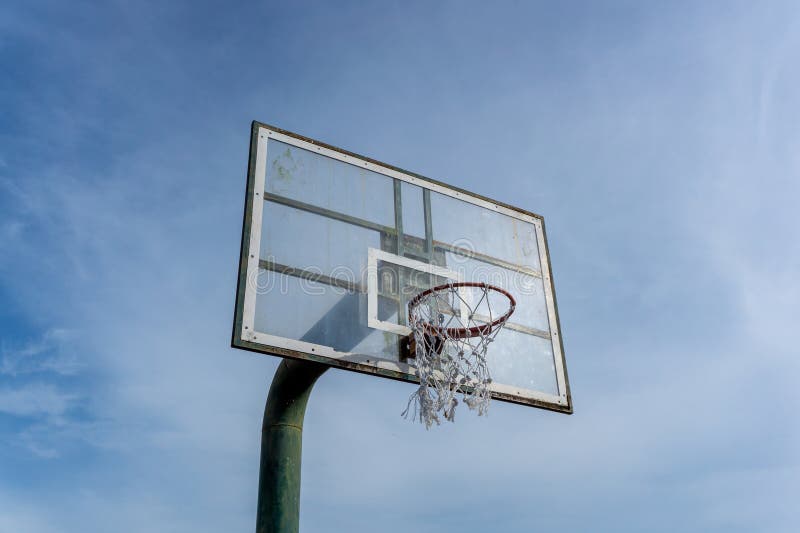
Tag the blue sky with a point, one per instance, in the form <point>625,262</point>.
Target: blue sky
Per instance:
<point>660,142</point>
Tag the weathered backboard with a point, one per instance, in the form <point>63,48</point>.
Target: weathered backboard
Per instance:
<point>335,244</point>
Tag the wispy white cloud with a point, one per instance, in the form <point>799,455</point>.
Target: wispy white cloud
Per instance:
<point>53,352</point>
<point>35,399</point>
<point>19,515</point>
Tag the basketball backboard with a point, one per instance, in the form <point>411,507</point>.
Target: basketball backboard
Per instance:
<point>335,244</point>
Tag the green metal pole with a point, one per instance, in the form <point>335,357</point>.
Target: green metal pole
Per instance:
<point>282,445</point>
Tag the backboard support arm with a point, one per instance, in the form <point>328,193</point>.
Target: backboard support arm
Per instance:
<point>282,445</point>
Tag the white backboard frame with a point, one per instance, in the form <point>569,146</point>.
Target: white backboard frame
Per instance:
<point>246,337</point>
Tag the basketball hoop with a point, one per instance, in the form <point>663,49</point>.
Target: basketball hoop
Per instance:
<point>452,326</point>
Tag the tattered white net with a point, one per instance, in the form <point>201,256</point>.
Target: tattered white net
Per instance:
<point>453,326</point>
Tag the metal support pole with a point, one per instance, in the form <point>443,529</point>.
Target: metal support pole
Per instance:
<point>282,445</point>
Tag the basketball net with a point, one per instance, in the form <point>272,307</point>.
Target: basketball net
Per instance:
<point>452,327</point>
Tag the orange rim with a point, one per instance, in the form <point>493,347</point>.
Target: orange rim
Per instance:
<point>463,333</point>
